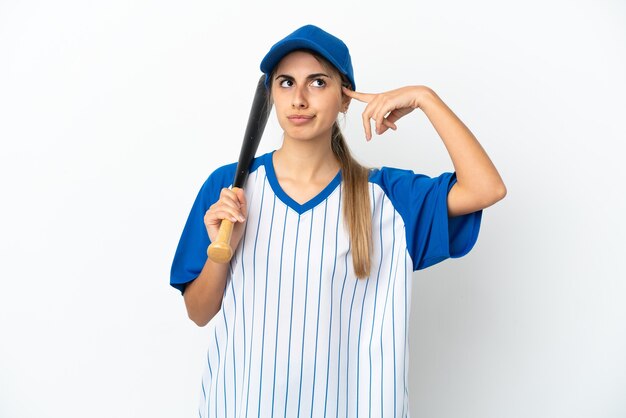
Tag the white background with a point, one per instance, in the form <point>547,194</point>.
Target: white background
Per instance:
<point>112,114</point>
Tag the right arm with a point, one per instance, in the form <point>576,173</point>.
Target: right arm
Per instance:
<point>203,296</point>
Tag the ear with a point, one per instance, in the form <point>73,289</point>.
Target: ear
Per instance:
<point>345,103</point>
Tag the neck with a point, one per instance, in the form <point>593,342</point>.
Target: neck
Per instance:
<point>306,161</point>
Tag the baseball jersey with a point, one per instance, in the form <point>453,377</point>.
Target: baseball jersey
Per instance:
<point>298,334</point>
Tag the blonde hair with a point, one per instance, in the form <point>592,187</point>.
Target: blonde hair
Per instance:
<point>356,204</point>
<point>356,201</point>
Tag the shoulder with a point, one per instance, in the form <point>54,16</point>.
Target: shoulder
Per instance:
<point>223,176</point>
<point>386,175</point>
<point>411,193</point>
<point>396,180</point>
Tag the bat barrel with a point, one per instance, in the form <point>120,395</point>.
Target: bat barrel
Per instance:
<point>259,113</point>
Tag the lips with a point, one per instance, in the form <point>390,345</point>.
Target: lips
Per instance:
<point>299,119</point>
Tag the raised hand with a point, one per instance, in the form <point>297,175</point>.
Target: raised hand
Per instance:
<point>386,108</point>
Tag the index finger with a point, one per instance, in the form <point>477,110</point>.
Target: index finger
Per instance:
<point>242,200</point>
<point>361,97</point>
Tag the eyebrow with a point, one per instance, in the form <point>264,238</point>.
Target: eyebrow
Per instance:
<point>309,77</point>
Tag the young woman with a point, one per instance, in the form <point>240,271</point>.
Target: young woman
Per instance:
<point>310,317</point>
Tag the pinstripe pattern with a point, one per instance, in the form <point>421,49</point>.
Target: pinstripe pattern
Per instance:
<point>330,326</point>
<point>293,283</point>
<point>280,277</point>
<point>298,334</point>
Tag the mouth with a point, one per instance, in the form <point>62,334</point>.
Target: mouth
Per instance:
<point>300,119</point>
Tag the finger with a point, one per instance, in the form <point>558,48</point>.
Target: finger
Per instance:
<point>380,124</point>
<point>386,116</point>
<point>230,197</point>
<point>374,111</point>
<point>229,202</point>
<point>214,219</point>
<point>389,124</point>
<point>383,123</point>
<point>228,194</point>
<point>361,97</point>
<point>219,212</point>
<point>379,114</point>
<point>241,196</point>
<point>367,124</point>
<point>393,117</point>
<point>386,126</point>
<point>382,130</point>
<point>398,113</point>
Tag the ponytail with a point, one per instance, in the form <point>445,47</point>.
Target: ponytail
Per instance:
<point>356,204</point>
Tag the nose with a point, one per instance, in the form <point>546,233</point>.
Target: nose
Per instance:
<point>299,99</point>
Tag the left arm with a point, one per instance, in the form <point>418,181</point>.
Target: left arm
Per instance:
<point>479,184</point>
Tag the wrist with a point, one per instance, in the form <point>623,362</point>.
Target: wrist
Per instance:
<point>424,96</point>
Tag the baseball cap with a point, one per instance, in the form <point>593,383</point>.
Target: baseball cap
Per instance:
<point>313,38</point>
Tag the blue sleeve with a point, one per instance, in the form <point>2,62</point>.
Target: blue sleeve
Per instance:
<point>421,201</point>
<point>191,255</point>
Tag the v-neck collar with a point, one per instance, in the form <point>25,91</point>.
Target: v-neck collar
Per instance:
<point>284,197</point>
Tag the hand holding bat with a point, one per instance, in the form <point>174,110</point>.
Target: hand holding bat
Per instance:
<point>224,221</point>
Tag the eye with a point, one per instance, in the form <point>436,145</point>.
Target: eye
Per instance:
<point>286,83</point>
<point>318,82</point>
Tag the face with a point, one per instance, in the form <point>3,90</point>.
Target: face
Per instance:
<point>307,96</point>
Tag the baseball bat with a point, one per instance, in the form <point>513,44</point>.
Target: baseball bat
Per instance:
<point>220,250</point>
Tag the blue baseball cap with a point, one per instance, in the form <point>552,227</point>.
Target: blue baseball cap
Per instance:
<point>313,38</point>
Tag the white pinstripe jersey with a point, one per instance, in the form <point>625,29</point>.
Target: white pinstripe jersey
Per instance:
<point>298,335</point>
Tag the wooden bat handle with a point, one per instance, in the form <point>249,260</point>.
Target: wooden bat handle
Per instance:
<point>220,251</point>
